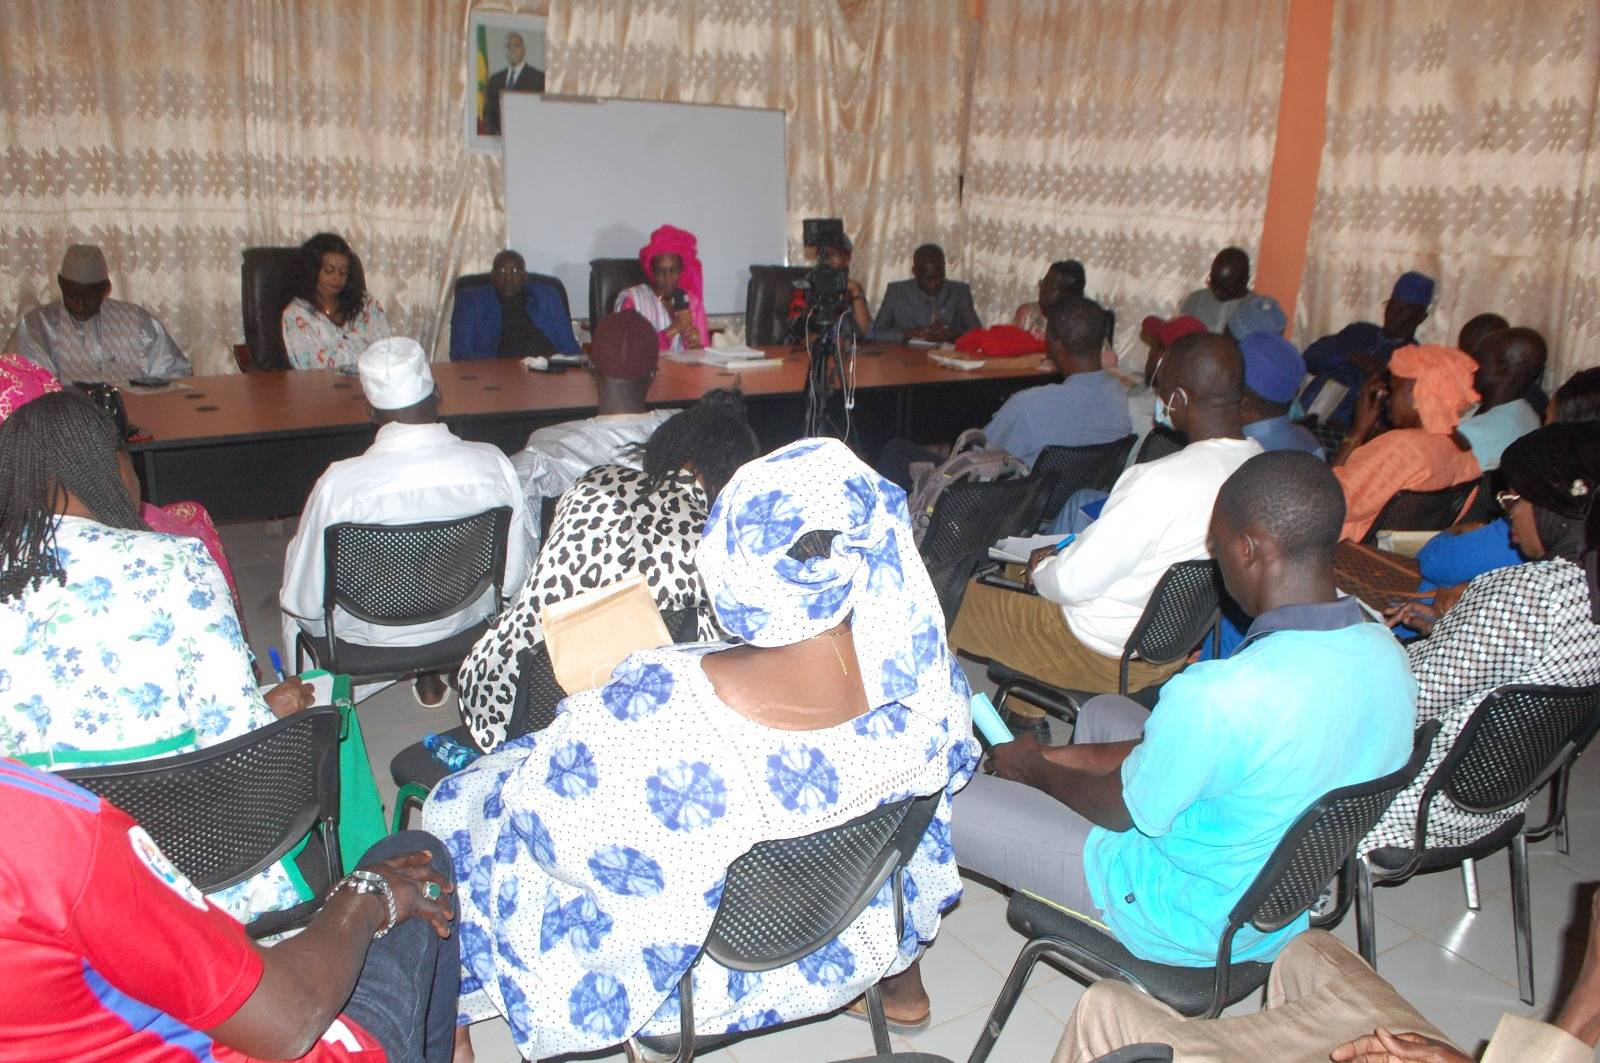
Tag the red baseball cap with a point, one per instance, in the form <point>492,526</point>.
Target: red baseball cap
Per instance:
<point>1171,330</point>
<point>624,346</point>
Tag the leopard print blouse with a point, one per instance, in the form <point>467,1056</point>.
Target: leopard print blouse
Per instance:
<point>605,528</point>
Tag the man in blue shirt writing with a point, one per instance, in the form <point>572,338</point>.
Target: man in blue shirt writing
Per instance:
<point>511,317</point>
<point>1155,824</point>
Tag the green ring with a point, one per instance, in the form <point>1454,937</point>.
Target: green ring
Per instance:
<point>431,890</point>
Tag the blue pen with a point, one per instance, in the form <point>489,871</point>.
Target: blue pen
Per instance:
<point>1064,543</point>
<point>277,662</point>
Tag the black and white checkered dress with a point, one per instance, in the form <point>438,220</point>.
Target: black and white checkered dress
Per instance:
<point>1522,624</point>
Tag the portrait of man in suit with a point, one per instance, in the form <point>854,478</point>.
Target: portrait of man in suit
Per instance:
<point>507,54</point>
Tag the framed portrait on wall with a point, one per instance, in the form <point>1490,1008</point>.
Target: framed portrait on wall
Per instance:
<point>505,53</point>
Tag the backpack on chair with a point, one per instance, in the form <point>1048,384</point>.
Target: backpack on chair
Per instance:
<point>971,460</point>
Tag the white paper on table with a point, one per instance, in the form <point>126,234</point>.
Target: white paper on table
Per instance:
<point>1016,549</point>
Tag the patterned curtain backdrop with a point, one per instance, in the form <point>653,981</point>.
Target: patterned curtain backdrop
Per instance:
<point>175,133</point>
<point>1133,135</point>
<point>1463,139</point>
<point>872,89</point>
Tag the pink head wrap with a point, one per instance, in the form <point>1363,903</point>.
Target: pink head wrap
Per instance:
<point>671,240</point>
<point>1442,386</point>
<point>21,382</point>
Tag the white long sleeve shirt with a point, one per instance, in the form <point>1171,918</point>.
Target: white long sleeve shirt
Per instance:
<point>1156,516</point>
<point>411,473</point>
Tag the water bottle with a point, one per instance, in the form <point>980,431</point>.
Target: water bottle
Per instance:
<point>447,751</point>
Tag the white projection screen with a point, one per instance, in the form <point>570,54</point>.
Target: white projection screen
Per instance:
<point>592,178</point>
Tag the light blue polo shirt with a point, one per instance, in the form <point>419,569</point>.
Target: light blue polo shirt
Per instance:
<point>1234,752</point>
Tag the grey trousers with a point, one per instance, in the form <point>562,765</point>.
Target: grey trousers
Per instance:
<point>1024,838</point>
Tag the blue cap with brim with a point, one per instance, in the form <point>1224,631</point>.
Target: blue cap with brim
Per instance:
<point>1273,367</point>
<point>1259,313</point>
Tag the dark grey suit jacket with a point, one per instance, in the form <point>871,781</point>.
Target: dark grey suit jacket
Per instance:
<point>530,80</point>
<point>906,306</point>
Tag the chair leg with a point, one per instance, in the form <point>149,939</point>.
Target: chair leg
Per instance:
<point>1522,917</point>
<point>880,1025</point>
<point>1366,915</point>
<point>1007,1000</point>
<point>409,793</point>
<point>1469,883</point>
<point>1559,806</point>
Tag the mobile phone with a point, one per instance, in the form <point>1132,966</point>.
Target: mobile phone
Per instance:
<point>149,382</point>
<point>1003,583</point>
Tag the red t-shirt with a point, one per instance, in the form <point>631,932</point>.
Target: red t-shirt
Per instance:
<point>110,952</point>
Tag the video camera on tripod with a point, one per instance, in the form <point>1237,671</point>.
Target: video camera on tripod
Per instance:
<point>826,288</point>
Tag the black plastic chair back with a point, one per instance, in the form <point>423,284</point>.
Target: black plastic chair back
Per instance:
<point>1078,468</point>
<point>481,280</point>
<point>267,278</point>
<point>547,515</point>
<point>1483,506</point>
<point>226,813</point>
<point>1514,741</point>
<point>1312,851</point>
<point>784,899</point>
<point>1184,606</point>
<point>609,278</point>
<point>1422,510</point>
<point>1160,443</point>
<point>1320,842</point>
<point>766,303</point>
<point>970,517</point>
<point>412,573</point>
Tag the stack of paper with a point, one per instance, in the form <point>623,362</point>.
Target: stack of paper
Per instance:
<point>1016,549</point>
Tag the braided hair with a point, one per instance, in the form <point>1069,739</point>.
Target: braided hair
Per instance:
<point>56,444</point>
<point>713,436</point>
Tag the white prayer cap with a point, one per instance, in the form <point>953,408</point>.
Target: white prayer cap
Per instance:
<point>84,264</point>
<point>395,374</point>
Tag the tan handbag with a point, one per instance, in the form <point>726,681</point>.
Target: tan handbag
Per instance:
<point>591,633</point>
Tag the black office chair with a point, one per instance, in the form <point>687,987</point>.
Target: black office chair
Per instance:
<point>267,279</point>
<point>1078,468</point>
<point>228,812</point>
<point>609,278</point>
<point>1183,609</point>
<point>1516,740</point>
<point>481,280</point>
<point>1308,856</point>
<point>416,771</point>
<point>1159,443</point>
<point>967,519</point>
<point>766,303</point>
<point>782,900</point>
<point>1422,510</point>
<point>402,574</point>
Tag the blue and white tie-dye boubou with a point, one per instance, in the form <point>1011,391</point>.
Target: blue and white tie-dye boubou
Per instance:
<point>590,857</point>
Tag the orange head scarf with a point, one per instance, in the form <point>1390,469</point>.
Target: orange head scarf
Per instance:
<point>1442,386</point>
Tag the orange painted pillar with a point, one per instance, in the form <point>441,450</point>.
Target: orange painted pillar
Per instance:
<point>1292,188</point>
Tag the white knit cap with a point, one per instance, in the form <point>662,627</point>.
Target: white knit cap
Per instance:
<point>395,374</point>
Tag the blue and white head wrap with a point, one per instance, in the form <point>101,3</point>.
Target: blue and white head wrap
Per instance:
<point>869,573</point>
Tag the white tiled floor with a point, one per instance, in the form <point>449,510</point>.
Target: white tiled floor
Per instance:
<point>1457,966</point>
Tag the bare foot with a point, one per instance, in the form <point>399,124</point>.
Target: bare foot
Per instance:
<point>904,998</point>
<point>463,1053</point>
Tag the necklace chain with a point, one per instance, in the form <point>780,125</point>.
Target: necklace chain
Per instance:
<point>833,640</point>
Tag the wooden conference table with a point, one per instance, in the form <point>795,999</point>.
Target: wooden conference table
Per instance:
<point>250,446</point>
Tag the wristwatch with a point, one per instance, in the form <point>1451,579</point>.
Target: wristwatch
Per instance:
<point>363,881</point>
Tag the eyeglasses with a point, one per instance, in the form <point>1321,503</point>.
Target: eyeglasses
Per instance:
<point>1507,499</point>
<point>510,271</point>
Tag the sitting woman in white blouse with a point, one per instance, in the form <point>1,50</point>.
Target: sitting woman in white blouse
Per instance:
<point>331,318</point>
<point>1533,623</point>
<point>121,643</point>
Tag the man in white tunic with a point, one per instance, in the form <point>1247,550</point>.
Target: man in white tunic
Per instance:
<point>416,470</point>
<point>87,336</point>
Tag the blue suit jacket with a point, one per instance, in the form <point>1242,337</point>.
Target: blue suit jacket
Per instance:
<point>475,321</point>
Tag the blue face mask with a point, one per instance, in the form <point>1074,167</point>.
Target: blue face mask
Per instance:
<point>1163,414</point>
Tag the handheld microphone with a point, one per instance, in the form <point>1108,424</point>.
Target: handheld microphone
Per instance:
<point>680,300</point>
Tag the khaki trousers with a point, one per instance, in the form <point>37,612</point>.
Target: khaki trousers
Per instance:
<point>1029,633</point>
<point>1319,996</point>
